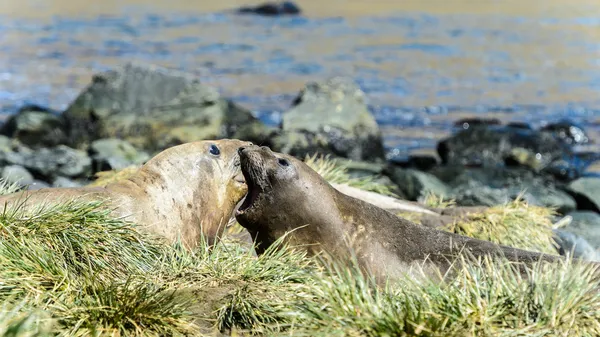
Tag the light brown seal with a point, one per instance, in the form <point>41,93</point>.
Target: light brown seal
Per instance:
<point>184,192</point>
<point>288,198</point>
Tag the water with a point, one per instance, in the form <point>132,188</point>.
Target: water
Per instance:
<point>423,64</point>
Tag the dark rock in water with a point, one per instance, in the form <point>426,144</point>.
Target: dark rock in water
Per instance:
<point>467,123</point>
<point>421,162</point>
<point>575,245</point>
<point>585,224</point>
<point>519,125</point>
<point>154,108</point>
<point>490,146</point>
<point>586,191</point>
<point>331,118</point>
<point>65,182</point>
<point>15,174</point>
<point>567,131</point>
<point>49,163</point>
<point>115,154</point>
<point>494,186</point>
<point>416,184</point>
<point>37,185</point>
<point>36,127</point>
<point>272,9</point>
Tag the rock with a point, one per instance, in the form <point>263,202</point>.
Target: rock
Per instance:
<point>272,9</point>
<point>6,144</point>
<point>491,145</point>
<point>37,185</point>
<point>415,184</point>
<point>65,182</point>
<point>49,163</point>
<point>15,174</point>
<point>36,127</point>
<point>494,186</point>
<point>115,154</point>
<point>422,160</point>
<point>567,131</point>
<point>154,108</point>
<point>571,243</point>
<point>466,123</point>
<point>331,118</point>
<point>585,224</point>
<point>586,191</point>
<point>519,125</point>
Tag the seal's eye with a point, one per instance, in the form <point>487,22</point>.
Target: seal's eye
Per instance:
<point>214,150</point>
<point>283,162</point>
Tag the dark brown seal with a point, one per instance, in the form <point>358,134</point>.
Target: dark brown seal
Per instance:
<point>286,197</point>
<point>185,192</point>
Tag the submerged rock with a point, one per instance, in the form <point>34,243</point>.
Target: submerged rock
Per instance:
<point>272,9</point>
<point>36,127</point>
<point>154,108</point>
<point>115,154</point>
<point>331,118</point>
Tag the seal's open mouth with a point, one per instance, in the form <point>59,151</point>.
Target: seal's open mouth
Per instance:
<point>251,197</point>
<point>252,165</point>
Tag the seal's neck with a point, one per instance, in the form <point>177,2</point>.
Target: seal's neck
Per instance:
<point>180,202</point>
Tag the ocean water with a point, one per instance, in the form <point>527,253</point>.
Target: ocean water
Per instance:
<point>423,64</point>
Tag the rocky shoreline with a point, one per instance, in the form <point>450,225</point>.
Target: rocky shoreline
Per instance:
<point>128,114</point>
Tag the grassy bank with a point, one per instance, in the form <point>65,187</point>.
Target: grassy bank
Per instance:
<point>71,270</point>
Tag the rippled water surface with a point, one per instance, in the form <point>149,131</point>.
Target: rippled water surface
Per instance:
<point>423,64</point>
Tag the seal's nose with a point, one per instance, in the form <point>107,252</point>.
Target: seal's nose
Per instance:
<point>241,149</point>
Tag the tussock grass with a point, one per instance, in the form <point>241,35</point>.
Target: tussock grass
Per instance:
<point>71,270</point>
<point>156,289</point>
<point>430,199</point>
<point>516,224</point>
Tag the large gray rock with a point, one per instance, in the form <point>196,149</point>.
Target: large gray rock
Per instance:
<point>115,154</point>
<point>415,184</point>
<point>575,246</point>
<point>65,182</point>
<point>587,192</point>
<point>494,186</point>
<point>585,224</point>
<point>49,163</point>
<point>15,174</point>
<point>489,145</point>
<point>36,127</point>
<point>154,108</point>
<point>331,118</point>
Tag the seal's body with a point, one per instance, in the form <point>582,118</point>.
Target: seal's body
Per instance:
<point>183,193</point>
<point>286,197</point>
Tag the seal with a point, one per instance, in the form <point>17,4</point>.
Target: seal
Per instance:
<point>287,199</point>
<point>187,192</point>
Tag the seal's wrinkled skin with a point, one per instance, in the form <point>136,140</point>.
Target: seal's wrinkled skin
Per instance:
<point>284,195</point>
<point>183,193</point>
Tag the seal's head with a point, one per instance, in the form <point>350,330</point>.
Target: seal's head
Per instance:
<point>282,191</point>
<point>200,183</point>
